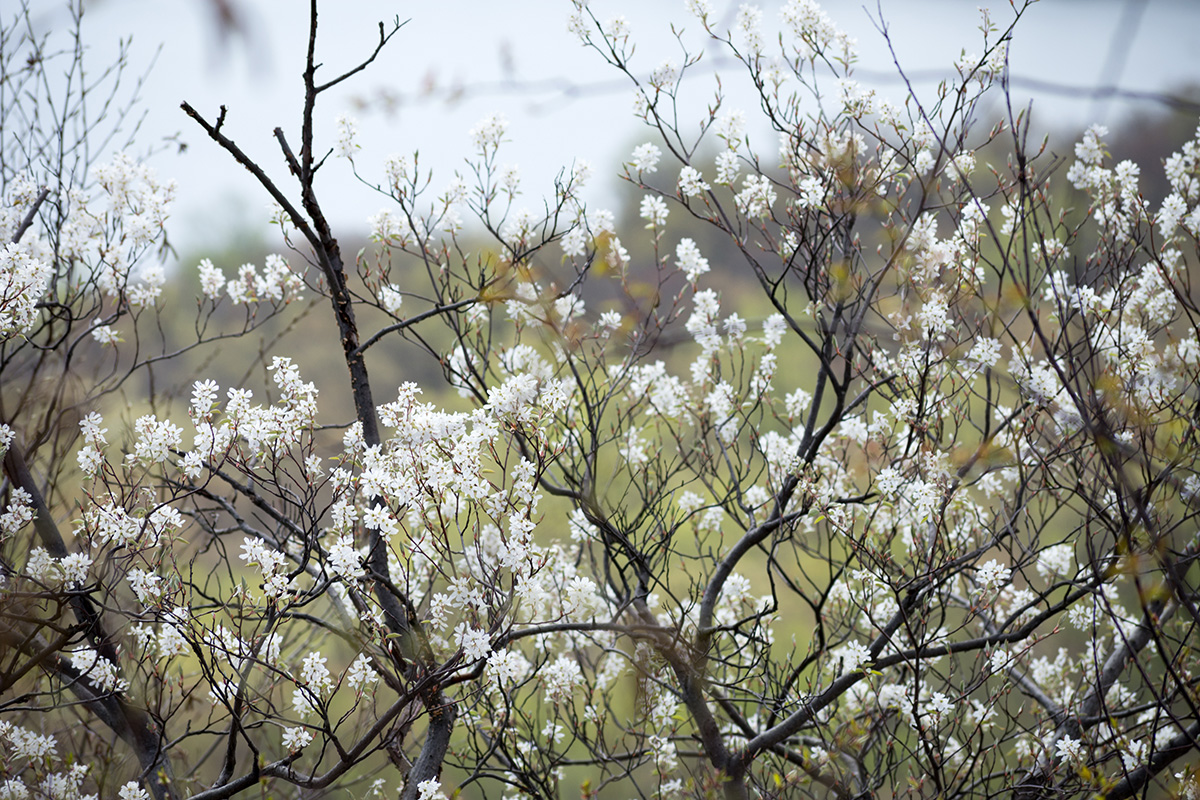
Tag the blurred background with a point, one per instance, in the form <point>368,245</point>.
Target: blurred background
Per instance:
<point>1133,65</point>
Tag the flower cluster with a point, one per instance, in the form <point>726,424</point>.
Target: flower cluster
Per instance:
<point>23,282</point>
<point>277,283</point>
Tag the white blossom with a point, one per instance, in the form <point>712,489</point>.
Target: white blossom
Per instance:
<point>473,641</point>
<point>23,281</point>
<point>853,655</point>
<point>731,127</point>
<point>489,132</point>
<point>985,352</point>
<point>560,678</point>
<point>654,211</point>
<point>645,158</point>
<point>430,790</point>
<point>1069,749</point>
<point>749,24</point>
<point>728,166</point>
<point>347,131</point>
<point>296,739</point>
<point>756,199</point>
<point>992,575</point>
<point>689,260</point>
<point>691,183</point>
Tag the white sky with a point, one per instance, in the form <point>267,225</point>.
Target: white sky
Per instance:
<point>468,42</point>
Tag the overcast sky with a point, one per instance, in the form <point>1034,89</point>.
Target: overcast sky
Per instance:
<point>517,57</point>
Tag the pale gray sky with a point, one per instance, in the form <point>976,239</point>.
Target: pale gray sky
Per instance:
<point>470,43</point>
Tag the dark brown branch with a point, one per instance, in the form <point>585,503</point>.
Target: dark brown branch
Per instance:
<point>383,40</point>
<point>405,323</point>
<point>29,217</point>
<point>230,147</point>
